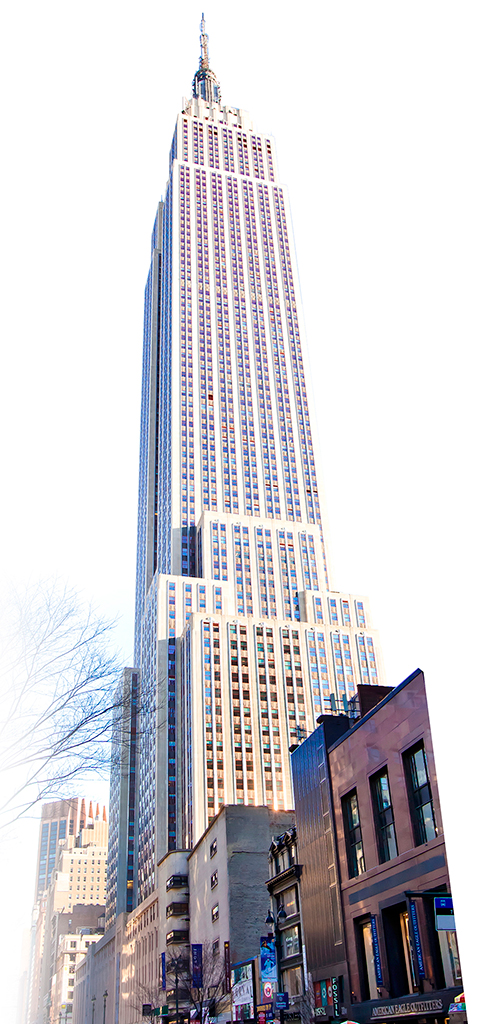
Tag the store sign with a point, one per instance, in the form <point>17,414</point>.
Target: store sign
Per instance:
<point>335,993</point>
<point>407,1009</point>
<point>376,951</point>
<point>417,944</point>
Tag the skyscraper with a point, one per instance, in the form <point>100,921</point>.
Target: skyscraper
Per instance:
<point>240,641</point>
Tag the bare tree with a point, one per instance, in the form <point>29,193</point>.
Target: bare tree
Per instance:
<point>59,691</point>
<point>209,998</point>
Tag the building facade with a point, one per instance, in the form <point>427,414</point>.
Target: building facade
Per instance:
<point>372,844</point>
<point>74,898</point>
<point>240,641</point>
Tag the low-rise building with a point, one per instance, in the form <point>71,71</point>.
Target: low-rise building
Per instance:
<point>372,846</point>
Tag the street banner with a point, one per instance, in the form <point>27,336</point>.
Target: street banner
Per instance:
<point>163,972</point>
<point>268,962</point>
<point>197,967</point>
<point>227,965</point>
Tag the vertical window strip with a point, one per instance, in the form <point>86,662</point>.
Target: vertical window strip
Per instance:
<point>272,499</point>
<point>362,658</point>
<point>270,162</point>
<point>227,427</point>
<point>291,653</point>
<point>314,673</point>
<point>348,665</point>
<point>242,752</point>
<point>187,421</point>
<point>270,574</point>
<point>171,720</point>
<point>262,573</point>
<point>338,665</point>
<point>293,506</point>
<point>345,613</point>
<point>305,437</point>
<point>250,477</point>
<point>360,615</point>
<point>207,416</point>
<point>312,562</point>
<point>269,716</point>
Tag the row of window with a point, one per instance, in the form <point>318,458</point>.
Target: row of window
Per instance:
<point>420,804</point>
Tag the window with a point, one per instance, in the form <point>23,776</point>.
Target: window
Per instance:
<point>290,942</point>
<point>419,794</point>
<point>354,844</point>
<point>214,880</point>
<point>216,947</point>
<point>383,815</point>
<point>215,912</point>
<point>213,848</point>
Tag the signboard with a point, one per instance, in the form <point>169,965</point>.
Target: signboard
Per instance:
<point>282,1001</point>
<point>241,977</point>
<point>376,951</point>
<point>410,1009</point>
<point>197,967</point>
<point>444,914</point>
<point>335,992</point>
<point>268,962</point>
<point>261,1015</point>
<point>163,972</point>
<point>242,992</point>
<point>417,944</point>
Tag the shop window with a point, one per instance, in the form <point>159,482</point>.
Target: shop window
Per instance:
<point>366,959</point>
<point>399,957</point>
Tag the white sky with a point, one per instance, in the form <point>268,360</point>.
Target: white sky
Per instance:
<point>388,220</point>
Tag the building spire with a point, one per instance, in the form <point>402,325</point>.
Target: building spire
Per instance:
<point>203,45</point>
<point>205,84</point>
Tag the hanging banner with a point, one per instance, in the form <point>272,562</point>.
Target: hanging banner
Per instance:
<point>335,991</point>
<point>227,965</point>
<point>268,962</point>
<point>163,972</point>
<point>197,967</point>
<point>417,944</point>
<point>376,951</point>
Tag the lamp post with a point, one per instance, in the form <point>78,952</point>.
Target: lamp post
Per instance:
<point>276,922</point>
<point>105,996</point>
<point>93,1001</point>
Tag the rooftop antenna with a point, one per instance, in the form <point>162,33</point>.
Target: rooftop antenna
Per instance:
<point>203,44</point>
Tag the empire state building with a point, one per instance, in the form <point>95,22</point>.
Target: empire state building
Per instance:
<point>240,643</point>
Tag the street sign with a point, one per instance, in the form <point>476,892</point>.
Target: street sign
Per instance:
<point>444,914</point>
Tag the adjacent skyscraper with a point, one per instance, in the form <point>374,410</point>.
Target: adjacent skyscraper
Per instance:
<point>240,642</point>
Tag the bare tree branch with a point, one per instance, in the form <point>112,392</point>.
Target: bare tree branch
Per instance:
<point>59,692</point>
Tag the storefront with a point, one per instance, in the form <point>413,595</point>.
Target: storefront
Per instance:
<point>426,1008</point>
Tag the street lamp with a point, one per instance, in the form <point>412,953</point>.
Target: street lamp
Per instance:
<point>276,922</point>
<point>105,996</point>
<point>93,1001</point>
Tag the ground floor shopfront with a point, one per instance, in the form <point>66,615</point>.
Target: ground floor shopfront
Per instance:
<point>426,1008</point>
